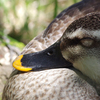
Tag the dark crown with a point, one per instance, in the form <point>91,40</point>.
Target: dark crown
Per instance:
<point>89,22</point>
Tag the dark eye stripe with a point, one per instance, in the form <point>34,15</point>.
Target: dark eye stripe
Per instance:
<point>69,42</point>
<point>86,38</point>
<point>74,41</point>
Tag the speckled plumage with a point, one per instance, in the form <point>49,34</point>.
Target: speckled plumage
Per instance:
<point>54,84</point>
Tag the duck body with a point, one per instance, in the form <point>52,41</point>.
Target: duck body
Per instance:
<point>53,84</point>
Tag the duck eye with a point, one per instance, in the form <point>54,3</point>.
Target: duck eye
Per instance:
<point>50,53</point>
<point>87,41</point>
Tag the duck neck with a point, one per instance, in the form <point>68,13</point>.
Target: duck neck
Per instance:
<point>87,79</point>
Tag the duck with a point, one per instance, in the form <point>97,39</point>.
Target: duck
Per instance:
<point>62,63</point>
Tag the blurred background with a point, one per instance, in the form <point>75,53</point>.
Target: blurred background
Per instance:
<point>21,21</point>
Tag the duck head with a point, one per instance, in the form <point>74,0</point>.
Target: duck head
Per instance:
<point>77,49</point>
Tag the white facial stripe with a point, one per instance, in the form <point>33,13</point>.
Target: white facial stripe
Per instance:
<point>80,33</point>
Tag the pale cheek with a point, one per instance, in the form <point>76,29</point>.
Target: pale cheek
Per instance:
<point>78,64</point>
<point>65,54</point>
<point>89,66</point>
<point>73,53</point>
<point>76,50</point>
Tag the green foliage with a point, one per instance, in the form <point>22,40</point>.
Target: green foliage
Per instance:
<point>24,19</point>
<point>16,43</point>
<point>0,97</point>
<point>12,41</point>
<point>55,8</point>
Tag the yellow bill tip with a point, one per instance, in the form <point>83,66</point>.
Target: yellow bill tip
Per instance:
<point>18,65</point>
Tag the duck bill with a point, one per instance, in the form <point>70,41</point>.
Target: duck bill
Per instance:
<point>49,58</point>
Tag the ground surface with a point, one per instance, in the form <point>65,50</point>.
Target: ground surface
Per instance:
<point>6,58</point>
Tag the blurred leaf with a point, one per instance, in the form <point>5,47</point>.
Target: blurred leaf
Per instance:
<point>12,42</point>
<point>56,8</point>
<point>75,1</point>
<point>16,43</point>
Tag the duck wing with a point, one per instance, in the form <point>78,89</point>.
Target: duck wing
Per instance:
<point>57,27</point>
